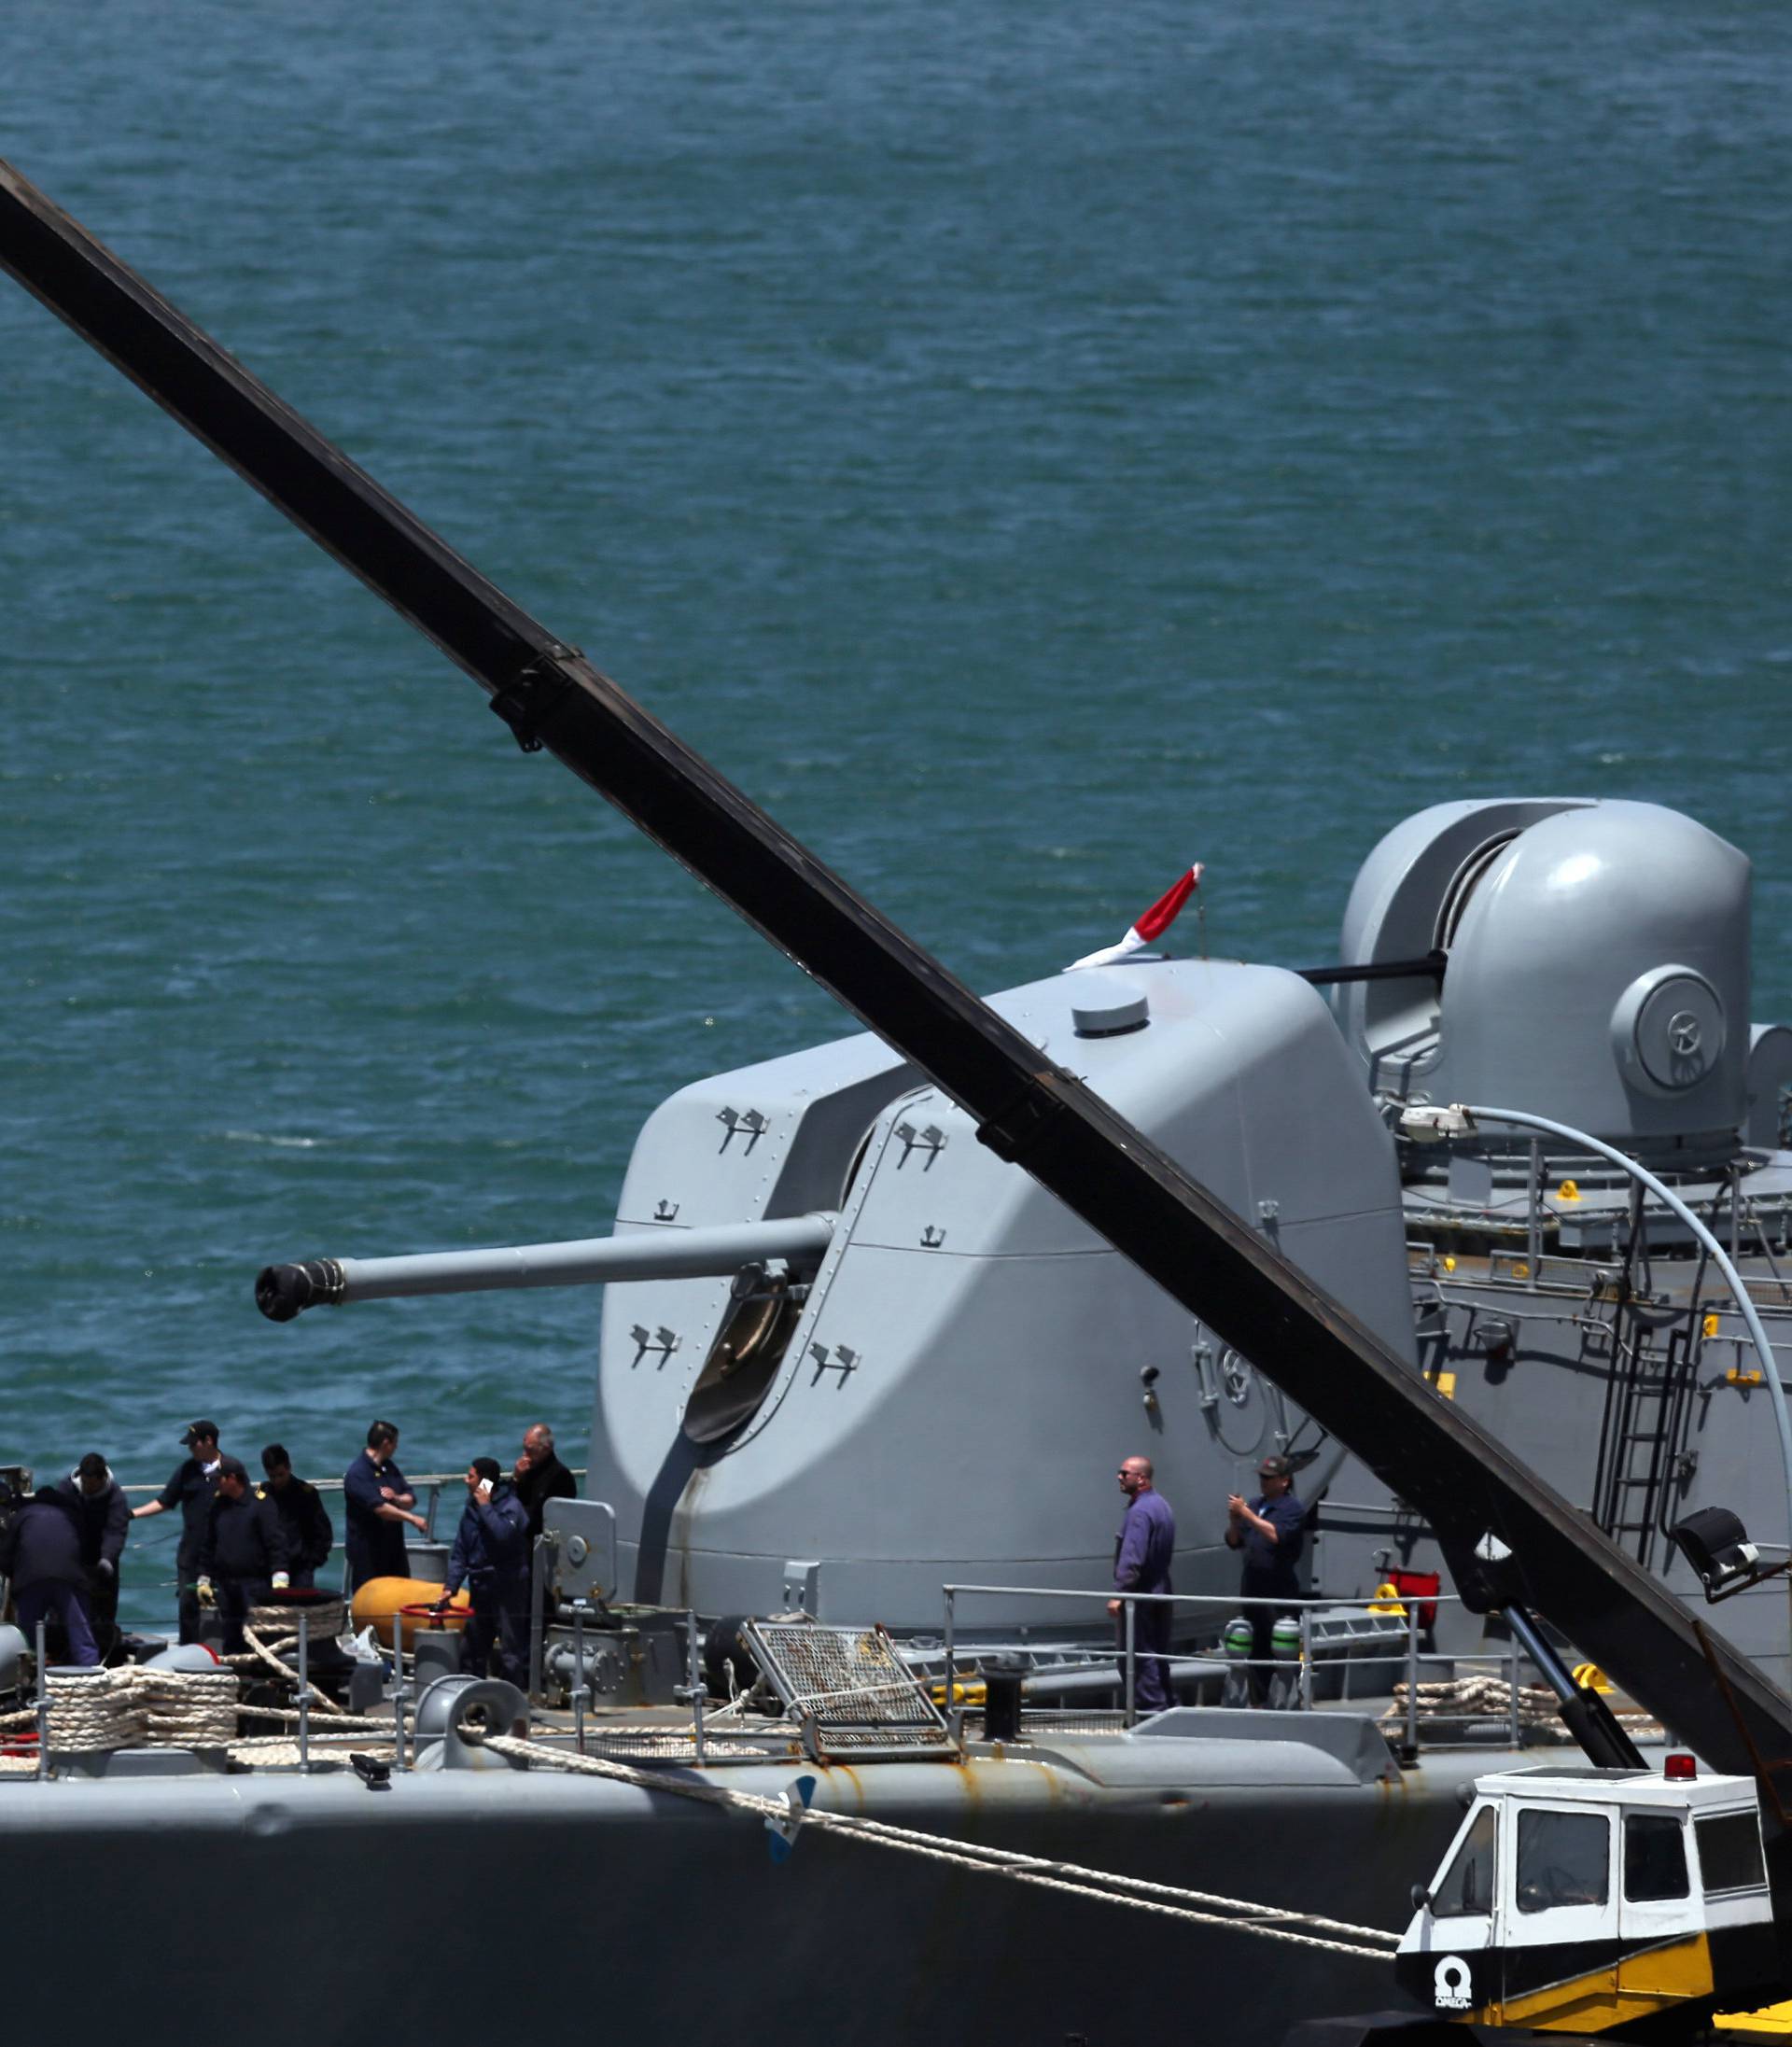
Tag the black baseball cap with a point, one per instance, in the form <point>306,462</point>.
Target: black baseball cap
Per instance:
<point>233,1468</point>
<point>197,1429</point>
<point>1275,1468</point>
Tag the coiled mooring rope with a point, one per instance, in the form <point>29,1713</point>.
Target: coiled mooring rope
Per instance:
<point>1484,1697</point>
<point>92,1712</point>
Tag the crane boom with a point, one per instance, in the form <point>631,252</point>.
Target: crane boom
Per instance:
<point>1028,1110</point>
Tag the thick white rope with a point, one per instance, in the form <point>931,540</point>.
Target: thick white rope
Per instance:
<point>1168,1900</point>
<point>260,1648</point>
<point>325,1620</point>
<point>93,1712</point>
<point>196,1708</point>
<point>1486,1697</point>
<point>275,1752</point>
<point>344,1723</point>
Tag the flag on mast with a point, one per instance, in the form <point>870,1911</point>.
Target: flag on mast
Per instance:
<point>1150,927</point>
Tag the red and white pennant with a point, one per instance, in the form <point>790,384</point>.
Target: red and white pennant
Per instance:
<point>1150,927</point>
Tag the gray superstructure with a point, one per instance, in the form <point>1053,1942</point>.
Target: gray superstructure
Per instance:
<point>945,1320</point>
<point>1596,976</point>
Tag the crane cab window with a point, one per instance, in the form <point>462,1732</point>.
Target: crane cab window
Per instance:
<point>1467,1886</point>
<point>1564,1858</point>
<point>1654,1858</point>
<point>1729,1852</point>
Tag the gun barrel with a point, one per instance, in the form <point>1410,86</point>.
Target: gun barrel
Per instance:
<point>284,1291</point>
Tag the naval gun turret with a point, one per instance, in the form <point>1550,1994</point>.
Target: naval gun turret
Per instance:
<point>830,1314</point>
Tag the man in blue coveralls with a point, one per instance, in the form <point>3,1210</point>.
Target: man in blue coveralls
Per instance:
<point>1269,1529</point>
<point>1142,1558</point>
<point>491,1557</point>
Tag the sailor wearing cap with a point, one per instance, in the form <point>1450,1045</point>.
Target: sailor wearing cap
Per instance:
<point>1269,1529</point>
<point>243,1557</point>
<point>190,1489</point>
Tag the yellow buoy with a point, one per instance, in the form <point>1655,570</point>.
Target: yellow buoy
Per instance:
<point>1568,1191</point>
<point>377,1603</point>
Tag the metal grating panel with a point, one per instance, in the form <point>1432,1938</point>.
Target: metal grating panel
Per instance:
<point>849,1686</point>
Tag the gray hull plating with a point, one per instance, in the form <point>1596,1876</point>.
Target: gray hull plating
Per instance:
<point>312,1887</point>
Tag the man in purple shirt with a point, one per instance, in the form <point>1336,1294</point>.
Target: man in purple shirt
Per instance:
<point>1142,1558</point>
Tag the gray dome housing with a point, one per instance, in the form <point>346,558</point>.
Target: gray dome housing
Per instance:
<point>1598,966</point>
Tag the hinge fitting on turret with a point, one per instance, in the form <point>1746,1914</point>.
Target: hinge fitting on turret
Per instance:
<point>534,691</point>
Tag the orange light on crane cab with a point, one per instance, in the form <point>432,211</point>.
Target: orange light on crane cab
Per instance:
<point>1679,1766</point>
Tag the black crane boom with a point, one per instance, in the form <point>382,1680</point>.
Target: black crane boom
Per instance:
<point>1028,1110</point>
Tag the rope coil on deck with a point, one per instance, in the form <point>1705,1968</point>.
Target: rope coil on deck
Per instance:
<point>189,1708</point>
<point>1488,1698</point>
<point>93,1712</point>
<point>1200,1908</point>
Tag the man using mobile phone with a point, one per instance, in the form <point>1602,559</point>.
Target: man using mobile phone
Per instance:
<point>491,1558</point>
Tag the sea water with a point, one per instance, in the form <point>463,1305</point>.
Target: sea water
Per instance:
<point>1029,447</point>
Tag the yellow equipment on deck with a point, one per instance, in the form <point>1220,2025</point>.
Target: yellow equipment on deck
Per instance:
<point>379,1603</point>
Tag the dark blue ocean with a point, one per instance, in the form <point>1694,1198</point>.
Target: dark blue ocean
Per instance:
<point>1028,446</point>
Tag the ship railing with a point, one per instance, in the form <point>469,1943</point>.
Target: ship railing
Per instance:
<point>1416,1719</point>
<point>1536,1212</point>
<point>428,1486</point>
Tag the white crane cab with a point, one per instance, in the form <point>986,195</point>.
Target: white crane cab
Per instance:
<point>1587,1901</point>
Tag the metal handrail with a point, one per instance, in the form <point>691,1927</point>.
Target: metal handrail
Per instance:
<point>335,1485</point>
<point>1410,1602</point>
<point>1508,1660</point>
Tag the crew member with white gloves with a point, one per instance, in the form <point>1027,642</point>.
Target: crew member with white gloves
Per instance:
<point>243,1557</point>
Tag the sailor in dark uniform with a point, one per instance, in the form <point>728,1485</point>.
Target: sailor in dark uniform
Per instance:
<point>302,1514</point>
<point>377,1503</point>
<point>103,1515</point>
<point>540,1476</point>
<point>40,1555</point>
<point>1269,1530</point>
<point>243,1557</point>
<point>190,1489</point>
